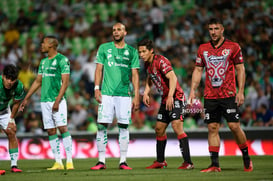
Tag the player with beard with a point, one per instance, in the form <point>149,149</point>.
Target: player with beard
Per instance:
<point>220,57</point>
<point>117,62</point>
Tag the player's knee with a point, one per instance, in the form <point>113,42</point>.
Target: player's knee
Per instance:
<point>213,127</point>
<point>159,131</point>
<point>51,131</point>
<point>11,133</point>
<point>234,127</point>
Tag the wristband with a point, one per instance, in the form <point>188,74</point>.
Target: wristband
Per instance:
<point>12,120</point>
<point>97,87</point>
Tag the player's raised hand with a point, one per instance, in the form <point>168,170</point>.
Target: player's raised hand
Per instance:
<point>146,100</point>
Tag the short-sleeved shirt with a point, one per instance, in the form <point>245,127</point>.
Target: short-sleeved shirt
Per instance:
<point>157,70</point>
<point>117,68</point>
<point>219,64</point>
<point>51,71</point>
<point>16,92</point>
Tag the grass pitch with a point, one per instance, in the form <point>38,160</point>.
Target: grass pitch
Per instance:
<point>232,169</point>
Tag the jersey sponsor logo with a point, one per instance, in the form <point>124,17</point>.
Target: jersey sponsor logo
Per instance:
<point>231,111</point>
<point>121,65</point>
<point>126,58</point>
<point>217,67</point>
<point>110,64</point>
<point>48,75</point>
<point>159,116</point>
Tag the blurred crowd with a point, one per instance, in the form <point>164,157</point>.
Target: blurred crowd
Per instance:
<point>177,27</point>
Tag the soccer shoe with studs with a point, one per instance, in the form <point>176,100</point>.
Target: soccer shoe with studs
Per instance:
<point>56,166</point>
<point>2,172</point>
<point>124,166</point>
<point>157,164</point>
<point>211,169</point>
<point>249,168</point>
<point>69,166</point>
<point>186,166</point>
<point>15,169</point>
<point>99,166</point>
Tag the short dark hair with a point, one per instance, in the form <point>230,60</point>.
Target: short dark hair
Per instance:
<point>11,72</point>
<point>146,42</point>
<point>215,21</point>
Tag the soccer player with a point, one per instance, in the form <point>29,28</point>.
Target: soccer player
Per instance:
<point>10,89</point>
<point>160,72</point>
<point>53,78</point>
<point>116,61</point>
<point>220,57</point>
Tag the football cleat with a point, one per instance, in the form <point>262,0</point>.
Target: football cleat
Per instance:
<point>211,169</point>
<point>99,166</point>
<point>2,172</point>
<point>14,169</point>
<point>124,166</point>
<point>157,164</point>
<point>186,166</point>
<point>250,167</point>
<point>69,166</point>
<point>57,166</point>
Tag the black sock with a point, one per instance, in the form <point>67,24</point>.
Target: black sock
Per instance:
<point>160,149</point>
<point>246,157</point>
<point>214,156</point>
<point>185,150</point>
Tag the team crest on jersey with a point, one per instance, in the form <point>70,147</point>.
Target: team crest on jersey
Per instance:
<point>225,52</point>
<point>126,52</point>
<point>54,62</point>
<point>198,60</point>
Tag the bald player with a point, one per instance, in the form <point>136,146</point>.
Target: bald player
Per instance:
<point>117,62</point>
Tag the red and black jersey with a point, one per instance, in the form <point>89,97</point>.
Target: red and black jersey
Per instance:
<point>157,70</point>
<point>220,68</point>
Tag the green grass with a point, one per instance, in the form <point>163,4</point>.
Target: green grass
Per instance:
<point>232,169</point>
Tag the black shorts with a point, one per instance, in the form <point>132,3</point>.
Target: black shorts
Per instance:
<point>166,116</point>
<point>215,108</point>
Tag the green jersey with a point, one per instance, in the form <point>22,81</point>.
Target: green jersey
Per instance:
<point>117,68</point>
<point>16,92</point>
<point>51,71</point>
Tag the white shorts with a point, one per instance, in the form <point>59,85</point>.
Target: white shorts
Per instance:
<point>56,119</point>
<point>4,118</point>
<point>115,106</point>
